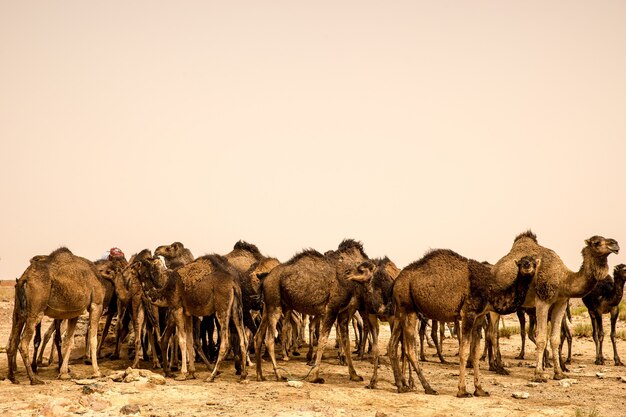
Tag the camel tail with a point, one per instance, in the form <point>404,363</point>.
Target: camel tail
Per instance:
<point>21,302</point>
<point>258,298</point>
<point>237,307</point>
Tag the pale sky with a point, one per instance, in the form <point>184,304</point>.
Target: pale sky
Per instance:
<point>407,125</point>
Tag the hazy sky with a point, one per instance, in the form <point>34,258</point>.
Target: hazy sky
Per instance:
<point>406,125</point>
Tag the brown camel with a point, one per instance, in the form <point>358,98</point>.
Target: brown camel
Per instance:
<point>133,305</point>
<point>61,286</point>
<point>603,299</point>
<point>318,285</point>
<point>208,285</point>
<point>445,286</point>
<point>553,285</point>
<point>175,255</point>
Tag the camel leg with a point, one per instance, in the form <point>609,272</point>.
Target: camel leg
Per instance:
<point>541,310</point>
<point>138,322</point>
<point>258,344</point>
<point>46,338</point>
<point>36,344</point>
<point>95,312</point>
<point>313,325</point>
<point>467,324</point>
<point>12,347</point>
<point>409,340</point>
<point>375,351</point>
<point>614,316</point>
<point>285,336</point>
<point>327,322</point>
<point>165,340</point>
<point>422,334</point>
<point>181,333</point>
<point>27,336</point>
<point>565,335</point>
<point>68,344</point>
<point>475,348</point>
<point>57,343</point>
<point>491,337</point>
<point>121,329</point>
<point>105,332</point>
<point>438,341</point>
<point>191,357</point>
<point>521,316</point>
<point>396,327</point>
<point>243,340</point>
<point>342,323</point>
<point>273,317</point>
<point>223,318</point>
<point>558,312</point>
<point>197,341</point>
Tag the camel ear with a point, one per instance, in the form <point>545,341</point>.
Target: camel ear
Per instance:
<point>517,262</point>
<point>537,263</point>
<point>261,275</point>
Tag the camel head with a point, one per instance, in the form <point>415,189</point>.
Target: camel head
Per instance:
<point>527,266</point>
<point>619,272</point>
<point>362,272</point>
<point>600,247</point>
<point>170,251</point>
<point>108,269</point>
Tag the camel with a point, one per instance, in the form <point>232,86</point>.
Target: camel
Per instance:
<point>208,285</point>
<point>175,255</point>
<point>445,286</point>
<point>134,306</point>
<point>553,285</point>
<point>317,285</point>
<point>605,298</point>
<point>61,286</point>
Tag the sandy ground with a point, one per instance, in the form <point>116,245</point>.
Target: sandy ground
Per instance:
<point>337,397</point>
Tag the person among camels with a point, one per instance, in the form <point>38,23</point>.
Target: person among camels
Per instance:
<point>445,286</point>
<point>318,285</point>
<point>603,299</point>
<point>61,286</point>
<point>553,286</point>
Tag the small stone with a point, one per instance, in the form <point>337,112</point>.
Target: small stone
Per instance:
<point>295,384</point>
<point>99,405</point>
<point>130,409</point>
<point>380,414</point>
<point>157,379</point>
<point>131,378</point>
<point>521,395</point>
<point>91,388</point>
<point>623,379</point>
<point>565,383</point>
<point>244,381</point>
<point>600,375</point>
<point>117,376</point>
<point>84,381</point>
<point>532,384</point>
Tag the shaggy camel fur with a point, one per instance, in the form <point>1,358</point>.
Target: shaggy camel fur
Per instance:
<point>208,285</point>
<point>318,285</point>
<point>445,286</point>
<point>243,255</point>
<point>605,298</point>
<point>61,286</point>
<point>553,285</point>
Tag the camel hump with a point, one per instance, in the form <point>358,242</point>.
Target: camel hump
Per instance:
<point>528,234</point>
<point>248,247</point>
<point>306,253</point>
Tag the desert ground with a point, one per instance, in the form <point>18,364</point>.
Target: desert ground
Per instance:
<point>595,390</point>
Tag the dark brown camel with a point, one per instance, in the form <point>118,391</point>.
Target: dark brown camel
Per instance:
<point>61,286</point>
<point>243,255</point>
<point>603,299</point>
<point>318,285</point>
<point>133,305</point>
<point>445,286</point>
<point>554,285</point>
<point>208,285</point>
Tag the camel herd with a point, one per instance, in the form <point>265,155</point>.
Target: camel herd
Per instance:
<point>243,302</point>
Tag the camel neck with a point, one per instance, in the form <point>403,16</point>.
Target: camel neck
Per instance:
<point>511,298</point>
<point>579,284</point>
